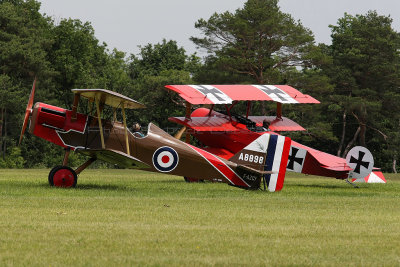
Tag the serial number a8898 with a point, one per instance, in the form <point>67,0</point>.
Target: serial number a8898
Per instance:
<point>251,158</point>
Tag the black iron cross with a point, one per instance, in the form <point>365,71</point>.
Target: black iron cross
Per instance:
<point>292,159</point>
<point>214,91</point>
<point>359,161</point>
<point>276,91</point>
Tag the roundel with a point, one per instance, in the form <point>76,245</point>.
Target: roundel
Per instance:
<point>165,159</point>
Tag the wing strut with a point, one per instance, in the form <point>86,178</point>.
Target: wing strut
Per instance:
<point>211,109</point>
<point>114,114</point>
<point>187,115</point>
<point>75,104</point>
<point>125,129</point>
<point>278,110</point>
<point>100,125</point>
<point>248,109</point>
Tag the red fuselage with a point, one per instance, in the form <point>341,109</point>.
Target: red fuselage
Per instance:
<point>47,120</point>
<point>224,136</point>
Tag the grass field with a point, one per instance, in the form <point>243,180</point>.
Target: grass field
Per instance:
<point>125,217</point>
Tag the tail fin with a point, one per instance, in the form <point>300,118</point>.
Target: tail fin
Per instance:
<point>361,161</point>
<point>268,156</point>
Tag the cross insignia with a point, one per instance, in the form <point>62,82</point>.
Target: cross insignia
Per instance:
<point>275,91</point>
<point>359,161</point>
<point>292,159</point>
<point>220,96</point>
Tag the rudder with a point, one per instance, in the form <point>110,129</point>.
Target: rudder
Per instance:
<point>276,161</point>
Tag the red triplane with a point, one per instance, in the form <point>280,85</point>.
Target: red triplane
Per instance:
<point>237,150</point>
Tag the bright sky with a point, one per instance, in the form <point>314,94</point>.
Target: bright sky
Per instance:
<point>126,24</point>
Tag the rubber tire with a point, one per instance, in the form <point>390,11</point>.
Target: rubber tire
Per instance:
<point>59,172</point>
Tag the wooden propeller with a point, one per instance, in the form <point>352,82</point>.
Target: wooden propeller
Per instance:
<point>28,112</point>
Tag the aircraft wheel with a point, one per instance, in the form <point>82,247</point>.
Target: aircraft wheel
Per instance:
<point>62,176</point>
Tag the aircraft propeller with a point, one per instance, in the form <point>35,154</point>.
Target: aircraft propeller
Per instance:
<point>28,111</point>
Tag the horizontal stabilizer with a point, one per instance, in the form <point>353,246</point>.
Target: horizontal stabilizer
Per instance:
<point>249,169</point>
<point>375,177</point>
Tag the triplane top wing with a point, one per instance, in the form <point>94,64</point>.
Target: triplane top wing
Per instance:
<point>226,94</point>
<point>109,98</point>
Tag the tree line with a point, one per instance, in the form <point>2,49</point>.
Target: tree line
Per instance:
<point>356,77</point>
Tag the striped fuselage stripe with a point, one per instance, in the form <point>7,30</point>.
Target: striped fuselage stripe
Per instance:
<point>284,159</point>
<point>277,150</point>
<point>221,167</point>
<point>270,158</point>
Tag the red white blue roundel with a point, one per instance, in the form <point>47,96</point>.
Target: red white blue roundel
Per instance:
<point>165,159</point>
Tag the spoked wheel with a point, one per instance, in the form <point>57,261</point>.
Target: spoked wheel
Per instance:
<point>62,176</point>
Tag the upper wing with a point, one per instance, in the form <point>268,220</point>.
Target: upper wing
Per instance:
<point>109,98</point>
<point>225,94</point>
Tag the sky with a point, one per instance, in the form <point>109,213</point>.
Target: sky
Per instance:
<point>127,24</point>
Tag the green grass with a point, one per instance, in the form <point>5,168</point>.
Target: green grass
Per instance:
<point>125,217</point>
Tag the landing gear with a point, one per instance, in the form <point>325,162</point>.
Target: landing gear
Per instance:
<point>63,176</point>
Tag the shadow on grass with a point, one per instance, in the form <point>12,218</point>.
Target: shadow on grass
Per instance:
<point>322,186</point>
<point>168,181</point>
<point>109,187</point>
<point>86,186</point>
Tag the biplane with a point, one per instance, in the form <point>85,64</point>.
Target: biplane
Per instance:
<point>111,140</point>
<point>228,135</point>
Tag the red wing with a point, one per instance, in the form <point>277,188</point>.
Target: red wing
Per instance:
<point>205,124</point>
<point>221,124</point>
<point>282,124</point>
<point>225,94</point>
